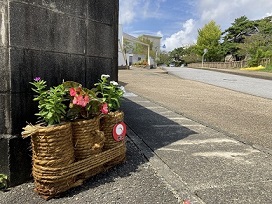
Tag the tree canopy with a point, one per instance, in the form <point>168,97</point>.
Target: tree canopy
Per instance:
<point>208,38</point>
<point>244,39</point>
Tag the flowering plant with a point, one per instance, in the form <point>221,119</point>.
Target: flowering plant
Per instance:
<point>109,91</point>
<point>52,108</point>
<point>68,100</point>
<point>83,102</point>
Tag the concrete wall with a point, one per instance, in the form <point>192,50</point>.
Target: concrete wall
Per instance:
<point>56,40</point>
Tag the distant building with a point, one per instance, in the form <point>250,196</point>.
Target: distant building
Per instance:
<point>127,58</point>
<point>156,40</point>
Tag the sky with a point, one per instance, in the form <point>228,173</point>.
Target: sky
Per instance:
<point>177,21</point>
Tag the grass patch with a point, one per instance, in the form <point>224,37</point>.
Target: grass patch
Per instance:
<point>267,69</point>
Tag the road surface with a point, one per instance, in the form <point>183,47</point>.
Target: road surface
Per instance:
<point>244,117</point>
<point>249,85</point>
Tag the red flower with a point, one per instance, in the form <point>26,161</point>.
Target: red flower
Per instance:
<point>104,108</point>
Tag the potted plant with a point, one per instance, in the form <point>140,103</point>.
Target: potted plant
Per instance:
<point>67,143</point>
<point>110,93</point>
<point>51,138</point>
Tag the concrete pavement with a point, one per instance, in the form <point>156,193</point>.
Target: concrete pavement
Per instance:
<point>197,161</point>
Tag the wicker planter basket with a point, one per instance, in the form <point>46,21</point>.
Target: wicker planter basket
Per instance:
<point>87,141</point>
<point>107,123</point>
<point>55,148</point>
<point>52,147</point>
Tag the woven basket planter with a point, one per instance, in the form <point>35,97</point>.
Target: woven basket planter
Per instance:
<point>107,123</point>
<point>61,161</point>
<point>52,147</point>
<point>49,175</point>
<point>87,141</point>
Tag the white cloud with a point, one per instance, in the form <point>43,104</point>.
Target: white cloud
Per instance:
<point>127,11</point>
<point>182,37</point>
<point>224,12</point>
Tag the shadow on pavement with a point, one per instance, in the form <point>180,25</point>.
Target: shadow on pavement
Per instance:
<point>151,126</point>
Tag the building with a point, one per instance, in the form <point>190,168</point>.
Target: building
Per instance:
<point>156,41</point>
<point>127,57</point>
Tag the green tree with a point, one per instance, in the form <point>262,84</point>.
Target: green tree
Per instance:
<point>184,55</point>
<point>256,47</point>
<point>237,31</point>
<point>264,25</point>
<point>142,49</point>
<point>236,34</point>
<point>208,38</point>
<point>164,58</point>
<point>191,55</point>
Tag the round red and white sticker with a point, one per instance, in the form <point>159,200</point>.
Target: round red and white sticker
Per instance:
<point>119,131</point>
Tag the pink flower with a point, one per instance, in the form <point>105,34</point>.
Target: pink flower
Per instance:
<point>104,108</point>
<point>186,202</point>
<point>75,100</point>
<point>37,79</point>
<point>81,100</point>
<point>73,92</point>
<point>85,101</point>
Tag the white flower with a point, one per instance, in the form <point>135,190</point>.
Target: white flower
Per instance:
<point>105,76</point>
<point>123,89</point>
<point>114,83</point>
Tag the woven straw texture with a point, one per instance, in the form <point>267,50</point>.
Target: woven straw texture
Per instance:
<point>54,167</point>
<point>87,138</point>
<point>51,147</point>
<point>88,141</point>
<point>49,175</point>
<point>107,123</point>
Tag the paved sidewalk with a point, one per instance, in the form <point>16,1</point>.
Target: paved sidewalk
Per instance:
<point>196,161</point>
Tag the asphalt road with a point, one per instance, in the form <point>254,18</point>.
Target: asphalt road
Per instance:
<point>244,117</point>
<point>249,85</point>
